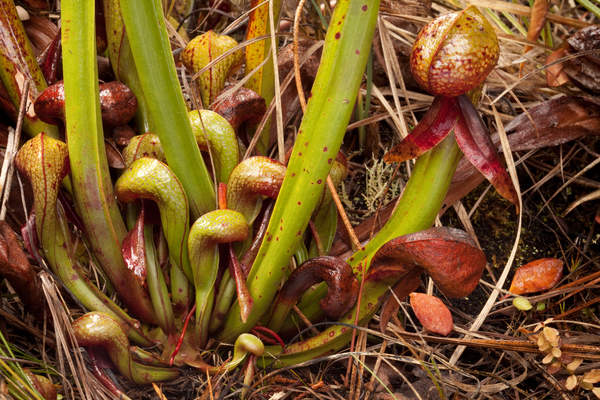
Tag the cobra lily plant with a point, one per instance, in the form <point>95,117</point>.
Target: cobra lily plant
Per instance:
<point>199,251</point>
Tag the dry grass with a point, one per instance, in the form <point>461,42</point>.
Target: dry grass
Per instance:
<point>490,354</point>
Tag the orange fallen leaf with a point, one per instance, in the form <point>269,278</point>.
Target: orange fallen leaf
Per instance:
<point>538,19</point>
<point>432,313</point>
<point>537,276</point>
<point>555,74</point>
<point>536,24</point>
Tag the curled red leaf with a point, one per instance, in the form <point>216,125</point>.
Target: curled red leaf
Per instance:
<point>409,283</point>
<point>244,298</point>
<point>536,276</point>
<point>51,63</point>
<point>133,249</point>
<point>117,103</point>
<point>474,141</point>
<point>342,284</point>
<point>449,256</point>
<point>432,313</point>
<point>242,106</point>
<point>432,129</point>
<point>550,123</point>
<point>113,155</point>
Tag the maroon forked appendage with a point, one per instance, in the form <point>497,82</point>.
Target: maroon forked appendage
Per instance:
<point>342,284</point>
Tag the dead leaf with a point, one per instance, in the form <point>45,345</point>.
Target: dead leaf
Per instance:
<point>550,123</point>
<point>41,31</point>
<point>113,155</point>
<point>536,276</point>
<point>536,21</point>
<point>555,74</point>
<point>432,313</point>
<point>584,70</point>
<point>588,197</point>
<point>536,24</point>
<point>15,267</point>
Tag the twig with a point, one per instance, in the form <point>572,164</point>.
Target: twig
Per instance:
<point>347,224</point>
<point>14,138</point>
<point>306,321</point>
<point>298,78</point>
<point>278,110</point>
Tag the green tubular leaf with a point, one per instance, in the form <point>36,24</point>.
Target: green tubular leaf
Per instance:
<point>157,287</point>
<point>121,60</point>
<point>99,330</point>
<point>92,186</point>
<point>43,160</point>
<point>244,345</point>
<point>213,131</point>
<point>325,221</point>
<point>204,50</point>
<point>421,201</point>
<point>319,138</point>
<point>18,65</point>
<point>145,145</point>
<point>148,178</point>
<point>151,51</point>
<point>325,217</point>
<point>219,226</point>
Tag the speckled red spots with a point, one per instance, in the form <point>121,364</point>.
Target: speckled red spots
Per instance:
<point>338,35</point>
<point>364,8</point>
